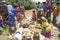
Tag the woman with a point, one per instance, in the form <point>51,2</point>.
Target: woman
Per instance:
<point>19,15</point>
<point>46,28</point>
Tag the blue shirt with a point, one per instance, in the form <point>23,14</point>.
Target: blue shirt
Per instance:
<point>13,10</point>
<point>11,17</point>
<point>38,7</point>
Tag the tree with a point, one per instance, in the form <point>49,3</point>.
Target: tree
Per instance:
<point>27,3</point>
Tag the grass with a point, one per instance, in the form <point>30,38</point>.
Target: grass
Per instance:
<point>6,30</point>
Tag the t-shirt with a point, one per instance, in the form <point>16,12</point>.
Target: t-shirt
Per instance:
<point>9,8</point>
<point>13,10</point>
<point>38,7</point>
<point>11,16</point>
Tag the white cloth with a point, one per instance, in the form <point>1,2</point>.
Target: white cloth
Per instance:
<point>58,19</point>
<point>20,30</point>
<point>9,7</point>
<point>18,36</point>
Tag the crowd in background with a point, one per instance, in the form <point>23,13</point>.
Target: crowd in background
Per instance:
<point>47,10</point>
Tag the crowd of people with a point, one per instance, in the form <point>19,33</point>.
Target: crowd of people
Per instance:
<point>10,14</point>
<point>47,10</point>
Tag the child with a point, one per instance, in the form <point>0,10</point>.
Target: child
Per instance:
<point>34,16</point>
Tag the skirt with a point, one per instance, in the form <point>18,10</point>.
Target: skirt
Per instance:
<point>48,34</point>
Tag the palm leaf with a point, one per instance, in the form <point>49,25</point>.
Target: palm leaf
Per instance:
<point>5,30</point>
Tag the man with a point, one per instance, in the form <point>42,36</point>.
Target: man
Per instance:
<point>38,6</point>
<point>5,10</point>
<point>56,13</point>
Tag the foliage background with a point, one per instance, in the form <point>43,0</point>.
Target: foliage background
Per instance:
<point>29,4</point>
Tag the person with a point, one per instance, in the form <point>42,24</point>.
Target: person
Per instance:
<point>9,7</point>
<point>46,28</point>
<point>2,17</point>
<point>48,10</point>
<point>56,13</point>
<point>0,5</point>
<point>34,16</point>
<point>44,8</point>
<point>14,10</point>
<point>39,16</point>
<point>22,10</point>
<point>19,17</point>
<point>11,22</point>
<point>5,10</point>
<point>38,6</point>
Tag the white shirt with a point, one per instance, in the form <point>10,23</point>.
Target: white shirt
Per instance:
<point>9,7</point>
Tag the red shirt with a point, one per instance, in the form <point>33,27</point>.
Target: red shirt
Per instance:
<point>56,11</point>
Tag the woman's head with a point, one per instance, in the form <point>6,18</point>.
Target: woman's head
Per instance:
<point>33,11</point>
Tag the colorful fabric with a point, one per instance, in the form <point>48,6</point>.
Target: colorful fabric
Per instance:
<point>48,34</point>
<point>11,18</point>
